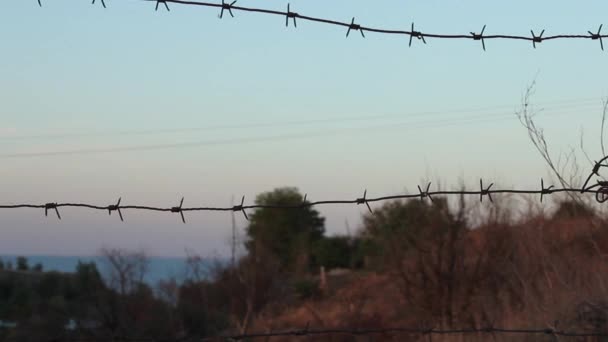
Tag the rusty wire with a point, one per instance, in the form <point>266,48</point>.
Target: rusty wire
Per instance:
<point>352,25</point>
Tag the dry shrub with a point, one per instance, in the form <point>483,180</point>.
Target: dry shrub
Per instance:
<point>536,273</point>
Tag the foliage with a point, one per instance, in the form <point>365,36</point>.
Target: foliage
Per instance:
<point>335,252</point>
<point>287,235</point>
<point>22,264</point>
<point>307,289</point>
<point>47,303</point>
<point>396,226</point>
<point>572,208</point>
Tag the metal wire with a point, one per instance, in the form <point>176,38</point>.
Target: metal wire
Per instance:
<point>354,26</point>
<point>600,190</point>
<point>307,332</point>
<point>413,331</point>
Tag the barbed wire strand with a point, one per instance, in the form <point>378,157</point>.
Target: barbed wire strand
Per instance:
<point>600,190</point>
<point>413,331</point>
<point>308,332</point>
<point>355,26</point>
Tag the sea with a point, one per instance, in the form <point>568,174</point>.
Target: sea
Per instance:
<point>159,268</point>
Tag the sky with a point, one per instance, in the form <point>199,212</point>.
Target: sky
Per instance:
<point>153,106</point>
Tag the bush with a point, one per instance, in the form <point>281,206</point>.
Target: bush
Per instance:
<point>333,252</point>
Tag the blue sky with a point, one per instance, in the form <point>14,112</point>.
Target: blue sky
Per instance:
<point>378,115</point>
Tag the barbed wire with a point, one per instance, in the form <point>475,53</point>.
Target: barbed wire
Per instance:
<point>353,25</point>
<point>599,189</point>
<point>308,332</point>
<point>552,331</point>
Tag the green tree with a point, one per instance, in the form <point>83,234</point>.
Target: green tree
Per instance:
<point>334,252</point>
<point>287,234</point>
<point>22,264</point>
<point>88,277</point>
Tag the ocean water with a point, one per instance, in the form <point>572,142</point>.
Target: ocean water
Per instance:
<point>159,268</point>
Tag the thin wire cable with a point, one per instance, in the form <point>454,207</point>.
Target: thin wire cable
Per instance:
<point>571,104</point>
<point>231,7</point>
<point>401,126</point>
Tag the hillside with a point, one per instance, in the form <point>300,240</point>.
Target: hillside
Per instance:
<point>539,273</point>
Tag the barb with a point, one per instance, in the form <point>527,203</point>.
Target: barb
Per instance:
<point>426,193</point>
<point>103,3</point>
<point>544,191</point>
<point>179,210</point>
<point>164,2</point>
<point>416,34</point>
<point>480,37</point>
<point>363,200</point>
<point>241,208</point>
<point>53,206</point>
<point>354,27</point>
<point>231,7</point>
<point>115,207</point>
<point>598,35</point>
<point>290,14</point>
<point>227,7</point>
<point>485,191</point>
<point>537,39</point>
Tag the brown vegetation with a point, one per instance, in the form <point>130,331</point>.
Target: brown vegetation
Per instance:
<point>539,272</point>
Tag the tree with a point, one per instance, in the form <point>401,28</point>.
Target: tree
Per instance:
<point>287,234</point>
<point>126,270</point>
<point>439,266</point>
<point>129,308</point>
<point>334,252</point>
<point>22,264</point>
<point>88,276</point>
<point>394,228</point>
